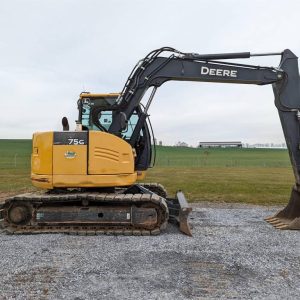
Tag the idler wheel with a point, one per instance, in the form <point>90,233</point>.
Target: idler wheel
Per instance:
<point>19,214</point>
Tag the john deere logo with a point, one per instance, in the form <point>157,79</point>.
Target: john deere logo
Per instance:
<point>70,154</point>
<point>218,72</point>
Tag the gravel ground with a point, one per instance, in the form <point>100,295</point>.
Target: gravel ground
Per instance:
<point>233,254</point>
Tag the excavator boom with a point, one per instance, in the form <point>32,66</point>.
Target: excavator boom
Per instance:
<point>154,70</point>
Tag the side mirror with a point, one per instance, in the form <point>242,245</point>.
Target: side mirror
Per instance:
<point>65,124</point>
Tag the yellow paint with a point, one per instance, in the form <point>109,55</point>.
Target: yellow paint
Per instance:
<point>107,161</point>
<point>41,157</point>
<point>141,175</point>
<point>69,159</point>
<point>109,155</point>
<point>42,181</point>
<point>94,180</point>
<point>87,95</point>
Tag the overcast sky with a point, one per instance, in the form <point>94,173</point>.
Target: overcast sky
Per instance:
<point>53,50</point>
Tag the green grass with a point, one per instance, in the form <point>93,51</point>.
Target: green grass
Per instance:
<point>15,165</point>
<point>221,157</point>
<point>261,176</point>
<point>223,184</point>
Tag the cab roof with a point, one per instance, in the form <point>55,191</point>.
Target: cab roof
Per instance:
<point>90,95</point>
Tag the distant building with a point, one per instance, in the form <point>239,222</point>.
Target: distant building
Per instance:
<point>220,144</point>
<point>181,144</point>
<point>266,145</point>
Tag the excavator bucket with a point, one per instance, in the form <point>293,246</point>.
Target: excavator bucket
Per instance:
<point>289,217</point>
<point>179,211</point>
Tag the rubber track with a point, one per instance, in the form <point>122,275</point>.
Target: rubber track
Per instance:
<point>46,198</point>
<point>156,188</point>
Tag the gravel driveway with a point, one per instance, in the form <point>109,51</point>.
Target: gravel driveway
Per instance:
<point>233,254</point>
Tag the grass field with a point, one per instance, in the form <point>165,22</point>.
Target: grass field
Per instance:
<point>15,165</point>
<point>262,176</point>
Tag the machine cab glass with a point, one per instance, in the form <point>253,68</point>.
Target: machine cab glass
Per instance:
<point>96,113</point>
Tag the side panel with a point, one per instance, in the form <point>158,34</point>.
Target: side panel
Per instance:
<point>41,157</point>
<point>61,159</point>
<point>94,180</point>
<point>69,160</point>
<point>41,160</point>
<point>109,155</point>
<point>70,153</point>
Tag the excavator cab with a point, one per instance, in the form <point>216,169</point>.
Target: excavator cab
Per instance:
<point>95,110</point>
<point>96,113</point>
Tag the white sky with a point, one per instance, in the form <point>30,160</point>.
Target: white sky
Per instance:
<point>52,50</point>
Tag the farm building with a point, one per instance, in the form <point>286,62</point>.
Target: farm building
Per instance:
<point>220,144</point>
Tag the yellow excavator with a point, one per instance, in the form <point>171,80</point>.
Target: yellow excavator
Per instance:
<point>90,176</point>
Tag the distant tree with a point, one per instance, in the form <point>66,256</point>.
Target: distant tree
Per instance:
<point>181,144</point>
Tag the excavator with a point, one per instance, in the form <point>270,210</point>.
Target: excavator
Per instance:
<point>89,178</point>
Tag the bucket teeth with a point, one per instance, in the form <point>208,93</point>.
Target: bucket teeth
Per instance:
<point>283,223</point>
<point>281,226</point>
<point>289,217</point>
<point>269,218</point>
<point>275,222</point>
<point>272,220</point>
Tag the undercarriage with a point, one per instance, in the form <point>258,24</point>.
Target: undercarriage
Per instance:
<point>136,210</point>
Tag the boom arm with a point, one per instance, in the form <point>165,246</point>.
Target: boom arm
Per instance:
<point>155,70</point>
